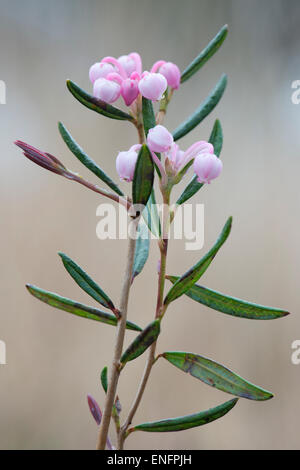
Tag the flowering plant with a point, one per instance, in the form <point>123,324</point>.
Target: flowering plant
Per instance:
<point>155,155</point>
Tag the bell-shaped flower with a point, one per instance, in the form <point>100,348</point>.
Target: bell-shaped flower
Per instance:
<point>170,71</point>
<point>153,85</point>
<point>207,167</point>
<point>128,64</point>
<point>129,90</point>
<point>159,139</point>
<point>106,90</point>
<point>100,70</point>
<point>126,161</point>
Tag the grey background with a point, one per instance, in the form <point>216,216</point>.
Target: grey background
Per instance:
<point>54,359</point>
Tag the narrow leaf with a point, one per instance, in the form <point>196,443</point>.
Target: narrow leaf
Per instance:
<point>141,249</point>
<point>204,110</point>
<point>103,378</point>
<point>143,177</point>
<point>148,115</point>
<point>142,342</point>
<point>76,308</point>
<point>95,104</point>
<point>188,422</point>
<point>216,139</point>
<point>205,55</point>
<point>185,282</point>
<point>231,305</point>
<point>151,217</point>
<point>86,160</point>
<point>86,283</point>
<point>216,375</point>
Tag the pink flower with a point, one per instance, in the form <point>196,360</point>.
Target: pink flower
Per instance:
<point>172,73</point>
<point>106,90</point>
<point>153,85</point>
<point>126,162</point>
<point>128,64</point>
<point>129,90</point>
<point>207,167</point>
<point>100,70</point>
<point>159,139</point>
<point>176,157</point>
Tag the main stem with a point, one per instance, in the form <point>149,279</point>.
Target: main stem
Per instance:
<point>121,327</point>
<point>160,297</point>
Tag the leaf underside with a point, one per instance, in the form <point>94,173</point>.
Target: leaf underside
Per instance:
<point>216,375</point>
<point>231,305</point>
<point>185,282</point>
<point>77,308</point>
<point>142,342</point>
<point>141,249</point>
<point>187,422</point>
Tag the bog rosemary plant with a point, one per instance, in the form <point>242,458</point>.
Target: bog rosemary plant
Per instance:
<point>154,155</point>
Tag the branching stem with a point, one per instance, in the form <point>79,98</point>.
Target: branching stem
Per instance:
<point>120,334</point>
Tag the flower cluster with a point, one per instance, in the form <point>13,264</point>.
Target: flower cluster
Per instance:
<point>112,78</point>
<point>206,165</point>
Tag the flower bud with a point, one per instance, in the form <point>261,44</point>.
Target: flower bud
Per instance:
<point>129,91</point>
<point>207,167</point>
<point>94,409</point>
<point>43,159</point>
<point>175,157</point>
<point>126,162</point>
<point>128,64</point>
<point>153,85</point>
<point>100,70</point>
<point>172,73</point>
<point>159,139</point>
<point>106,90</point>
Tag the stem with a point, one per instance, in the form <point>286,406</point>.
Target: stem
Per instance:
<point>159,308</point>
<point>114,197</point>
<point>163,107</point>
<point>121,327</point>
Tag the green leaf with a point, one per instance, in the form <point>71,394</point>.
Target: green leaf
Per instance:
<point>103,378</point>
<point>143,177</point>
<point>86,283</point>
<point>185,282</point>
<point>204,110</point>
<point>231,305</point>
<point>151,217</point>
<point>97,105</point>
<point>86,160</point>
<point>216,139</point>
<point>141,249</point>
<point>188,422</point>
<point>142,342</point>
<point>148,115</point>
<point>216,375</point>
<point>76,308</point>
<point>205,55</point>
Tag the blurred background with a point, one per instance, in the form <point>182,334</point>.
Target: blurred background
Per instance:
<point>54,359</point>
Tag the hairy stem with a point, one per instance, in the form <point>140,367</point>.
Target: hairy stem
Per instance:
<point>163,244</point>
<point>121,327</point>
